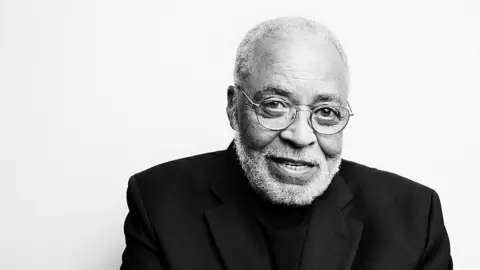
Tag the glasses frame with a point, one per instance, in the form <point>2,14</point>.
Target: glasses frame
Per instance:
<point>297,109</point>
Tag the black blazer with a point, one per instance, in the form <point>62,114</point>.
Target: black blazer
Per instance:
<point>191,214</point>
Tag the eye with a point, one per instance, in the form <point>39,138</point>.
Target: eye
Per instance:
<point>274,104</point>
<point>274,108</point>
<point>327,116</point>
<point>327,112</point>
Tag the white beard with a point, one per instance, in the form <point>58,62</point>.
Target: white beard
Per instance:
<point>254,164</point>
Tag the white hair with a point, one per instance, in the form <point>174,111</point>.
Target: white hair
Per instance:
<point>280,28</point>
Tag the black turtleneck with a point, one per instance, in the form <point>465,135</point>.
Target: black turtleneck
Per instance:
<point>284,227</point>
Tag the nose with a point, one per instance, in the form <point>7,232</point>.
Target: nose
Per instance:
<point>300,133</point>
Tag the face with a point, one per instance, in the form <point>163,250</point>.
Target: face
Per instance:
<point>295,165</point>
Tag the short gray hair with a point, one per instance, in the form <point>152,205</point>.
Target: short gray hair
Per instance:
<point>282,27</point>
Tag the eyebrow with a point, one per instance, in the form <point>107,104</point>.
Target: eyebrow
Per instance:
<point>269,90</point>
<point>277,90</point>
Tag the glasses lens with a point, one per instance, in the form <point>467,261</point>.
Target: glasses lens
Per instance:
<point>275,113</point>
<point>329,119</point>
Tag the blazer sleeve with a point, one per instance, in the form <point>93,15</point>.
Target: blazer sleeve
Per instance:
<point>142,250</point>
<point>436,255</point>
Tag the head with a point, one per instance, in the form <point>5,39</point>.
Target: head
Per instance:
<point>300,61</point>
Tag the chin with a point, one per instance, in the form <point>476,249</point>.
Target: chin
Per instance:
<point>278,191</point>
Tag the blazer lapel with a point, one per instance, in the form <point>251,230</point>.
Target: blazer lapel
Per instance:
<point>332,237</point>
<point>235,230</point>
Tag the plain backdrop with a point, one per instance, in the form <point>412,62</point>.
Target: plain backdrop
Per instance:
<point>94,91</point>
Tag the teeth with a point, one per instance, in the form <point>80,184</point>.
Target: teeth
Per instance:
<point>294,167</point>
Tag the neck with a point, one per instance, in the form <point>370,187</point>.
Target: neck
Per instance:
<point>277,215</point>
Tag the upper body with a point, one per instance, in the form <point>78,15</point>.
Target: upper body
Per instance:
<point>195,213</point>
<point>281,197</point>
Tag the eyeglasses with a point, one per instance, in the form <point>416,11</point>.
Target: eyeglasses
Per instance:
<point>275,113</point>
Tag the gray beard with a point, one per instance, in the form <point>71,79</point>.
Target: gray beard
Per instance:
<point>255,166</point>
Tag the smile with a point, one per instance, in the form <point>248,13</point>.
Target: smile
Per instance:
<point>293,167</point>
<point>292,162</point>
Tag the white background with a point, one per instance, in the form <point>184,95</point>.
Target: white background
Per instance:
<point>92,92</point>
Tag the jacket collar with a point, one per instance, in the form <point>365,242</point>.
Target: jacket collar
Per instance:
<point>332,236</point>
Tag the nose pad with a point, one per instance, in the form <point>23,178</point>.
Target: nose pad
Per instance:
<point>300,133</point>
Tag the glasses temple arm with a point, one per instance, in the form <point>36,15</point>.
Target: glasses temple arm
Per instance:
<point>350,109</point>
<point>245,94</point>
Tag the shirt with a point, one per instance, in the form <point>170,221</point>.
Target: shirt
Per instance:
<point>285,230</point>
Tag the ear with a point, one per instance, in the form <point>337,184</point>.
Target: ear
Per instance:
<point>231,104</point>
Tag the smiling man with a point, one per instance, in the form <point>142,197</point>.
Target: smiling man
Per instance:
<point>281,197</point>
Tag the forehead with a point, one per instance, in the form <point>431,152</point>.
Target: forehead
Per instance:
<point>305,67</point>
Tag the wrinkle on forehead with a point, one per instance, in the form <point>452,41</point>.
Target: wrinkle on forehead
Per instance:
<point>300,65</point>
<point>298,79</point>
<point>299,58</point>
<point>322,77</point>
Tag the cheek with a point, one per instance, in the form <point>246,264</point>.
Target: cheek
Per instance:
<point>331,145</point>
<point>254,136</point>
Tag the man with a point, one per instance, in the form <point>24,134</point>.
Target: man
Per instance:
<point>280,197</point>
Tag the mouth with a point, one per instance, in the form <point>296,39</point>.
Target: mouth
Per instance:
<point>293,167</point>
<point>292,162</point>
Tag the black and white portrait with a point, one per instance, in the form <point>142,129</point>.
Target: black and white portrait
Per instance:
<point>230,135</point>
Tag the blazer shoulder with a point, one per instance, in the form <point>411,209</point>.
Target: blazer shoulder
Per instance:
<point>400,216</point>
<point>369,179</point>
<point>387,199</point>
<point>185,174</point>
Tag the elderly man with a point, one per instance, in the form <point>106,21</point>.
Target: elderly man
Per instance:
<point>280,197</point>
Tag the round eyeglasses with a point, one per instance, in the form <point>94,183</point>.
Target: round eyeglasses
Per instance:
<point>276,113</point>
